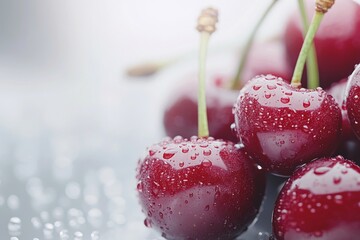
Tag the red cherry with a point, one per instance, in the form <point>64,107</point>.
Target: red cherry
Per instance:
<point>349,146</point>
<point>283,127</point>
<point>352,100</point>
<point>337,41</point>
<point>199,188</point>
<point>320,201</point>
<point>180,117</point>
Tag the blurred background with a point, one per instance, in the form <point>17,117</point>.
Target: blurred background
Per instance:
<point>73,125</point>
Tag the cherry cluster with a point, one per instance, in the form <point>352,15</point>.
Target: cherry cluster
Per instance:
<point>211,187</point>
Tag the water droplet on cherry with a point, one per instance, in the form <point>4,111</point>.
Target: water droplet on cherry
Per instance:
<point>285,99</point>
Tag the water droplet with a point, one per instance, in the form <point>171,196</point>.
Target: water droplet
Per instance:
<point>178,139</point>
<point>257,87</point>
<point>267,95</point>
<point>207,207</point>
<point>14,226</point>
<point>139,186</point>
<point>288,93</point>
<point>285,99</point>
<point>185,149</point>
<point>321,170</point>
<point>36,223</point>
<point>181,164</point>
<point>95,217</point>
<point>161,215</point>
<point>270,77</point>
<point>263,236</point>
<point>95,235</point>
<point>204,144</point>
<point>48,231</point>
<point>271,86</point>
<point>306,103</point>
<point>206,163</point>
<point>207,152</point>
<point>193,157</point>
<point>64,235</point>
<point>337,180</point>
<point>169,153</point>
<point>151,152</point>
<point>147,222</point>
<point>78,236</point>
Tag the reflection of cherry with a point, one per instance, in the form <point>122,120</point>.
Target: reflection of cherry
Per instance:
<point>337,41</point>
<point>320,201</point>
<point>199,189</point>
<point>283,126</point>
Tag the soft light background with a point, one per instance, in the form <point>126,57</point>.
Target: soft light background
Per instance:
<point>64,94</point>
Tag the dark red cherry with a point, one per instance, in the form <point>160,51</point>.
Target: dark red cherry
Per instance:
<point>180,116</point>
<point>337,41</point>
<point>352,99</point>
<point>199,189</point>
<point>349,146</point>
<point>283,127</point>
<point>320,201</point>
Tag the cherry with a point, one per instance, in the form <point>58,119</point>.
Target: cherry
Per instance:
<point>320,201</point>
<point>352,100</point>
<point>180,115</point>
<point>349,146</point>
<point>282,126</point>
<point>199,188</point>
<point>337,41</point>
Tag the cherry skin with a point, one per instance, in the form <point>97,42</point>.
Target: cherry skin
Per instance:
<point>349,146</point>
<point>352,100</point>
<point>337,41</point>
<point>283,127</point>
<point>199,188</point>
<point>180,116</point>
<point>320,201</point>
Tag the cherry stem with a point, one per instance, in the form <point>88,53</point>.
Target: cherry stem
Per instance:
<point>322,6</point>
<point>206,26</point>
<point>311,61</point>
<point>203,129</point>
<point>236,81</point>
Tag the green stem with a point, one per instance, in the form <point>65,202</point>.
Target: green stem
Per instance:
<point>236,81</point>
<point>299,67</point>
<point>203,129</point>
<point>311,61</point>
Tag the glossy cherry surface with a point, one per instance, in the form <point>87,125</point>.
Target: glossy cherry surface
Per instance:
<point>320,201</point>
<point>180,116</point>
<point>352,99</point>
<point>349,146</point>
<point>337,41</point>
<point>199,188</point>
<point>283,127</point>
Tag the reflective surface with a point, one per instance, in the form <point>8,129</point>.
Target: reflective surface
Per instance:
<point>72,126</point>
